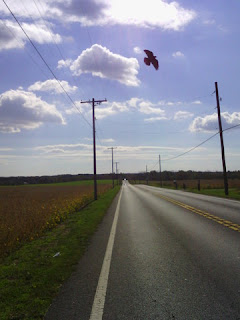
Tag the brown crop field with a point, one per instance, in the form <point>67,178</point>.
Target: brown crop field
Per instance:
<point>27,211</point>
<point>204,184</point>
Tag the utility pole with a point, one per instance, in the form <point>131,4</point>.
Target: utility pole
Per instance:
<point>221,139</point>
<point>112,166</point>
<point>116,162</point>
<point>146,174</point>
<point>94,143</point>
<point>160,171</point>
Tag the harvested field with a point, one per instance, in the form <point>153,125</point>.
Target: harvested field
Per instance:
<point>204,184</point>
<point>27,211</point>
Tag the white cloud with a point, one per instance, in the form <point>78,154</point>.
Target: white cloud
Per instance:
<point>110,140</point>
<point>137,50</point>
<point>11,35</point>
<point>153,119</point>
<point>53,86</point>
<point>140,105</point>
<point>178,54</point>
<point>153,14</point>
<point>111,108</point>
<point>197,102</point>
<point>101,62</point>
<point>64,63</point>
<point>209,123</point>
<point>181,115</point>
<point>147,107</point>
<point>24,110</point>
<point>85,150</point>
<point>79,107</point>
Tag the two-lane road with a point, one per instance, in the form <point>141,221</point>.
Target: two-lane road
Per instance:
<point>175,255</point>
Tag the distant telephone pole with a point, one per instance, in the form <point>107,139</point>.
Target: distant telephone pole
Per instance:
<point>94,142</point>
<point>146,174</point>
<point>112,148</point>
<point>160,171</point>
<point>116,163</point>
<point>221,139</point>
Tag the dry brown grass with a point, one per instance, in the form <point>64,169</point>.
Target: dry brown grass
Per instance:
<point>205,184</point>
<point>26,211</point>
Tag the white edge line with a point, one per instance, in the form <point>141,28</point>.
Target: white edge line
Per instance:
<point>100,295</point>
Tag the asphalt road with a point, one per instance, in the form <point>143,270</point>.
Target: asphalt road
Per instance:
<point>176,255</point>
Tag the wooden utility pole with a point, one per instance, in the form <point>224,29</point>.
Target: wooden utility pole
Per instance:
<point>116,162</point>
<point>221,139</point>
<point>160,171</point>
<point>146,174</point>
<point>94,143</point>
<point>112,166</point>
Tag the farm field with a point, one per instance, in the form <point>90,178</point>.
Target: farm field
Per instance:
<point>31,276</point>
<point>27,211</point>
<point>214,187</point>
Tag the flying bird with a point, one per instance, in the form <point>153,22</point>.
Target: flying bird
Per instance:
<point>151,59</point>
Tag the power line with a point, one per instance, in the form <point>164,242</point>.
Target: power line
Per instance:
<point>191,148</point>
<point>237,125</point>
<point>48,26</point>
<point>28,52</point>
<point>45,62</point>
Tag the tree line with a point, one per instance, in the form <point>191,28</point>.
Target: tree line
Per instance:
<point>151,176</point>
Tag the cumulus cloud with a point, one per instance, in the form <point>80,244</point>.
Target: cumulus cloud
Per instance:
<point>111,108</point>
<point>209,123</point>
<point>136,104</point>
<point>12,37</point>
<point>181,115</point>
<point>156,14</point>
<point>24,110</point>
<point>101,62</point>
<point>53,86</point>
<point>178,54</point>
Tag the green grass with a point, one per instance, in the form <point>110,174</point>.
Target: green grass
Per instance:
<point>31,276</point>
<point>233,193</point>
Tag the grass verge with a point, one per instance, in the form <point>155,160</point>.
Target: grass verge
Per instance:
<point>32,276</point>
<point>233,193</point>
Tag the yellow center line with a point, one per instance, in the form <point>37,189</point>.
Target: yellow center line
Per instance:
<point>225,223</point>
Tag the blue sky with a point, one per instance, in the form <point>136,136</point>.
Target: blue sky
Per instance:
<point>95,49</point>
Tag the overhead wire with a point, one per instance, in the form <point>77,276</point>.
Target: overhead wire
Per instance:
<point>180,155</point>
<point>47,24</point>
<point>28,52</point>
<point>45,62</point>
<point>237,125</point>
<point>175,157</point>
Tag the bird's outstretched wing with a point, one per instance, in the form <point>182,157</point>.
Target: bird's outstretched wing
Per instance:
<point>155,63</point>
<point>149,54</point>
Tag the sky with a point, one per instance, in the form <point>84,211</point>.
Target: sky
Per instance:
<point>56,53</point>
